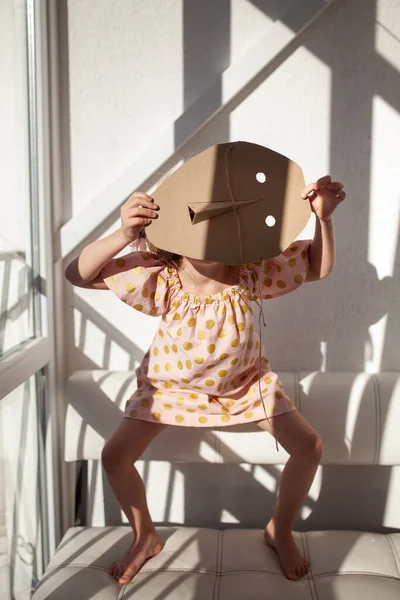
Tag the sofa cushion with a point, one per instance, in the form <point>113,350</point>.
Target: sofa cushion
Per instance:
<point>231,564</point>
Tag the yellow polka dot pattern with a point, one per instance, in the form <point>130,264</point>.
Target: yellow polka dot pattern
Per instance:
<point>202,367</point>
<point>282,274</point>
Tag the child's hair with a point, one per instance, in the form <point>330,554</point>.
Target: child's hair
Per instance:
<point>163,256</point>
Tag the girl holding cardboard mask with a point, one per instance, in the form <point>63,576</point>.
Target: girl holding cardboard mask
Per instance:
<point>209,253</point>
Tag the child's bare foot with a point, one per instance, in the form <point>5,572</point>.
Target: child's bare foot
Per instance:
<point>124,569</point>
<point>293,564</point>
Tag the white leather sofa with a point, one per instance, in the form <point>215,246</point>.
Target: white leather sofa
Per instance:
<point>211,491</point>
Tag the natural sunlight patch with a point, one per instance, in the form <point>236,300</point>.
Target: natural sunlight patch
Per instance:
<point>355,400</point>
<point>209,453</point>
<point>391,514</point>
<point>384,206</point>
<point>387,44</point>
<point>227,517</point>
<point>313,495</point>
<point>374,349</point>
<point>323,350</point>
<point>247,25</point>
<point>390,426</point>
<point>111,334</point>
<point>165,490</point>
<point>262,475</point>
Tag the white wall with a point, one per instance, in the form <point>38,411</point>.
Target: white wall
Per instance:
<point>331,102</point>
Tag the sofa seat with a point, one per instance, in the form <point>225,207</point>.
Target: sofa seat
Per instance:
<point>230,564</point>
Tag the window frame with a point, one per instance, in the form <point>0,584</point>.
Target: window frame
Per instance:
<point>43,355</point>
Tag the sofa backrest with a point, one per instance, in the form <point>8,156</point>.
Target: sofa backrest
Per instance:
<point>356,414</point>
<point>357,485</point>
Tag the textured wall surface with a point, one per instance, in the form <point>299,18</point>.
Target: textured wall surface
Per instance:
<point>331,101</point>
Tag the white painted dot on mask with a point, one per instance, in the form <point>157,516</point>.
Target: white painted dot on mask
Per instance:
<point>270,221</point>
<point>261,178</point>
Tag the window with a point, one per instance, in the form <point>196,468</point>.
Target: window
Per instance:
<point>29,468</point>
<point>16,308</point>
<point>21,490</point>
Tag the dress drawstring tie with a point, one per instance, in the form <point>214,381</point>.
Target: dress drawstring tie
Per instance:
<point>259,304</point>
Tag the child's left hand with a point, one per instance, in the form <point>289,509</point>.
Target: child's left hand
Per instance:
<point>324,196</point>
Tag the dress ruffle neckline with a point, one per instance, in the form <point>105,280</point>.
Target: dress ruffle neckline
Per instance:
<point>224,295</point>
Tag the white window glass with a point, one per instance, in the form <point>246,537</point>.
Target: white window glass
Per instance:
<point>20,492</point>
<point>16,290</point>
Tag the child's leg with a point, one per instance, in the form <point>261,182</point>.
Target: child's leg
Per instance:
<point>304,445</point>
<point>124,447</point>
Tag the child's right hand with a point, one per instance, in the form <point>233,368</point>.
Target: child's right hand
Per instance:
<point>137,212</point>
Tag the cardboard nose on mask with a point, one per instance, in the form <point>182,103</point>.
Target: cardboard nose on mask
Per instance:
<point>201,211</point>
<point>234,203</point>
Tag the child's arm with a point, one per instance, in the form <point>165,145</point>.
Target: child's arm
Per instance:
<point>324,197</point>
<point>83,271</point>
<point>322,251</point>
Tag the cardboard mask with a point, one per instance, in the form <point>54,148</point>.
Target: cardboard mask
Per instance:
<point>233,203</point>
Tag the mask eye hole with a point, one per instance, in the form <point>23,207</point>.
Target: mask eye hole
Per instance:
<point>261,177</point>
<point>270,221</point>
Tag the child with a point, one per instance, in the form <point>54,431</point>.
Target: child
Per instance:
<point>206,366</point>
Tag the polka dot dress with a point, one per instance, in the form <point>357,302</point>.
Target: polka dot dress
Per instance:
<point>203,367</point>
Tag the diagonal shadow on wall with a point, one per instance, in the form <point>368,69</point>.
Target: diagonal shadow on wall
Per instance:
<point>351,118</point>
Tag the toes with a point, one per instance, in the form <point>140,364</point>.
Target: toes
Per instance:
<point>126,577</point>
<point>292,575</point>
<point>302,569</point>
<point>298,572</point>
